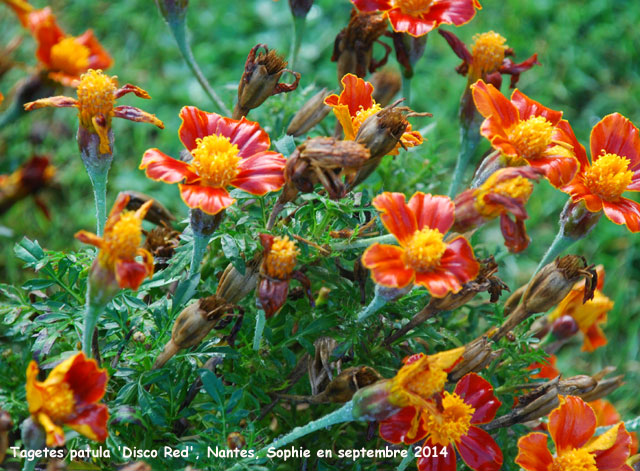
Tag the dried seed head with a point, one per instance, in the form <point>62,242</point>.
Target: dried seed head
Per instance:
<point>311,113</point>
<point>386,85</point>
<point>342,388</point>
<point>381,132</point>
<point>236,441</point>
<point>233,286</point>
<point>372,402</point>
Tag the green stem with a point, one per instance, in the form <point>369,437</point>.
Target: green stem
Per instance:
<point>91,316</point>
<point>257,336</point>
<point>468,144</point>
<point>559,245</point>
<point>406,90</point>
<point>99,183</point>
<point>12,114</point>
<point>29,465</point>
<point>179,30</point>
<point>406,461</point>
<point>200,242</point>
<point>377,303</point>
<point>362,243</point>
<point>299,26</point>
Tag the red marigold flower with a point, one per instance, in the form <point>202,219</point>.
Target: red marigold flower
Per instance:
<point>525,131</point>
<point>614,169</point>
<point>97,94</point>
<point>547,369</point>
<point>588,315</point>
<point>571,426</point>
<point>606,414</point>
<point>355,104</point>
<point>69,396</point>
<point>119,247</point>
<point>451,424</point>
<point>226,152</point>
<point>423,256</point>
<point>418,17</point>
<point>66,57</point>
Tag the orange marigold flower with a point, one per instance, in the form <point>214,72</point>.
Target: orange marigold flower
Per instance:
<point>504,193</point>
<point>614,169</point>
<point>587,315</point>
<point>226,152</point>
<point>355,104</point>
<point>571,426</point>
<point>418,17</point>
<point>606,414</point>
<point>423,256</point>
<point>525,131</point>
<point>65,57</point>
<point>450,424</point>
<point>120,245</point>
<point>69,396</point>
<point>97,94</point>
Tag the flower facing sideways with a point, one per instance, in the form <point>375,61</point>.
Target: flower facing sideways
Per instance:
<point>572,426</point>
<point>225,152</point>
<point>423,257</point>
<point>69,396</point>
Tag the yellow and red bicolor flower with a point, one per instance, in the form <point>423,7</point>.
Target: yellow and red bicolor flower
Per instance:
<point>504,193</point>
<point>614,169</point>
<point>120,245</point>
<point>571,426</point>
<point>69,396</point>
<point>524,130</point>
<point>450,424</point>
<point>606,414</point>
<point>418,17</point>
<point>65,57</point>
<point>97,94</point>
<point>587,315</point>
<point>423,257</point>
<point>355,104</point>
<point>225,152</point>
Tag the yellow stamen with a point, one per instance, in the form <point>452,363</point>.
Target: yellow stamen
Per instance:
<point>488,52</point>
<point>531,137</point>
<point>281,260</point>
<point>122,240</point>
<point>519,188</point>
<point>58,401</point>
<point>609,176</point>
<point>70,56</point>
<point>96,97</point>
<point>413,7</point>
<point>363,114</point>
<point>575,460</point>
<point>424,250</point>
<point>452,423</point>
<point>215,160</point>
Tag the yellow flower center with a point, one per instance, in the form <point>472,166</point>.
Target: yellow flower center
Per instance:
<point>281,260</point>
<point>96,97</point>
<point>424,250</point>
<point>609,176</point>
<point>519,188</point>
<point>70,56</point>
<point>531,137</point>
<point>413,7</point>
<point>58,402</point>
<point>452,423</point>
<point>575,460</point>
<point>488,51</point>
<point>215,160</point>
<point>123,240</point>
<point>362,115</point>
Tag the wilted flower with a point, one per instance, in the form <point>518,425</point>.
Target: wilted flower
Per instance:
<point>614,169</point>
<point>504,193</point>
<point>69,396</point>
<point>161,243</point>
<point>65,57</point>
<point>423,256</point>
<point>386,85</point>
<point>572,426</point>
<point>524,130</point>
<point>418,17</point>
<point>29,179</point>
<point>587,315</point>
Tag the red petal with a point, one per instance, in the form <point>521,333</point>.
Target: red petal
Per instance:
<point>413,25</point>
<point>160,167</point>
<point>528,108</point>
<point>558,168</point>
<point>478,393</point>
<point>455,12</point>
<point>606,414</point>
<point>272,294</point>
<point>261,173</point>
<point>571,424</point>
<point>623,211</point>
<point>396,216</point>
<point>372,5</point>
<point>95,416</point>
<point>208,199</point>
<point>533,454</point>
<point>615,134</point>
<point>386,265</point>
<point>593,338</point>
<point>136,114</point>
<point>395,428</point>
<point>86,380</point>
<point>130,274</point>
<point>564,133</point>
<point>435,212</point>
<point>514,233</point>
<point>356,94</point>
<point>99,58</point>
<point>479,450</point>
<point>46,32</point>
<point>614,458</point>
<point>247,135</point>
<point>579,191</point>
<point>499,112</point>
<point>438,462</point>
<point>459,48</point>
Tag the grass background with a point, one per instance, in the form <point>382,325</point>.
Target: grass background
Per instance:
<point>590,67</point>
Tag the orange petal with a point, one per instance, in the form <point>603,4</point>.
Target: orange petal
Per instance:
<point>435,212</point>
<point>615,134</point>
<point>261,173</point>
<point>386,265</point>
<point>624,211</point>
<point>356,94</point>
<point>533,454</point>
<point>606,414</point>
<point>611,449</point>
<point>528,108</point>
<point>136,114</point>
<point>87,381</point>
<point>99,58</point>
<point>571,424</point>
<point>413,25</point>
<point>161,167</point>
<point>564,133</point>
<point>593,338</point>
<point>53,102</point>
<point>499,112</point>
<point>208,199</point>
<point>89,238</point>
<point>396,216</point>
<point>130,273</point>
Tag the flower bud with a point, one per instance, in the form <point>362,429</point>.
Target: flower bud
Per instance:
<point>564,327</point>
<point>161,242</point>
<point>173,11</point>
<point>260,78</point>
<point>342,388</point>
<point>204,224</point>
<point>321,367</point>
<point>236,441</point>
<point>311,113</point>
<point>381,132</point>
<point>386,85</point>
<point>233,286</point>
<point>372,403</point>
<point>477,355</point>
<point>139,337</point>
<point>576,221</point>
<point>300,8</point>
